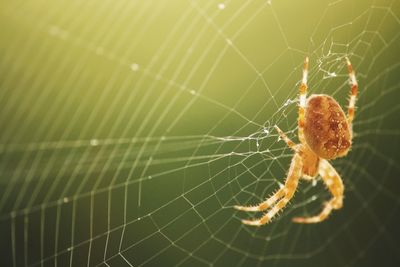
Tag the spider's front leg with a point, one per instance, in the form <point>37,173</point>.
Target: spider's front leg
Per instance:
<point>265,204</point>
<point>287,193</point>
<point>278,194</point>
<point>336,187</point>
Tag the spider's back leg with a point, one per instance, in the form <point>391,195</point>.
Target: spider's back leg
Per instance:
<point>302,102</point>
<point>284,137</point>
<point>353,92</point>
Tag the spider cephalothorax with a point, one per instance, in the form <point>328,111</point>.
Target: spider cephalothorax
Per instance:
<point>325,133</point>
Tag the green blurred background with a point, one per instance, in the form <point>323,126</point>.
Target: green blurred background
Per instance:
<point>131,128</point>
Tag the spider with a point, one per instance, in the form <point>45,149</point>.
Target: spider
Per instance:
<point>325,133</point>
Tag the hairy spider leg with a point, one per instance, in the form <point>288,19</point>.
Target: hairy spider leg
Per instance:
<point>284,137</point>
<point>353,92</point>
<point>265,204</point>
<point>278,194</point>
<point>289,188</point>
<point>335,186</point>
<point>303,98</point>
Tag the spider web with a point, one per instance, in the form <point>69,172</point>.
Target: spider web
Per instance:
<point>131,128</point>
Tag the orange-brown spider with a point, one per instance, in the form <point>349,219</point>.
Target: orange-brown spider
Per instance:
<point>325,133</point>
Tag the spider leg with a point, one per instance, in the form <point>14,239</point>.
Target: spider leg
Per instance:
<point>303,98</point>
<point>265,204</point>
<point>353,92</point>
<point>284,137</point>
<point>280,193</point>
<point>336,187</point>
<point>288,190</point>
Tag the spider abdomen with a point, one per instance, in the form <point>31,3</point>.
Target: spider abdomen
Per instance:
<point>326,128</point>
